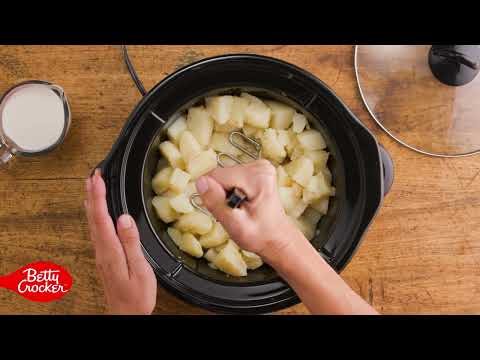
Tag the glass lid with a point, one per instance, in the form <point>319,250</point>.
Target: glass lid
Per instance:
<point>426,97</point>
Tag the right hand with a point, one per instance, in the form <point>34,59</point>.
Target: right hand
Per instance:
<point>260,224</point>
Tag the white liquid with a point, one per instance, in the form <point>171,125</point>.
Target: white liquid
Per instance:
<point>33,117</point>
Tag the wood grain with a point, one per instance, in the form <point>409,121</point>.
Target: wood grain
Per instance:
<point>421,254</point>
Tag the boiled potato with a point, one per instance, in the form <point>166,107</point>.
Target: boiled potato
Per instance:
<point>181,204</point>
<point>299,123</point>
<point>191,245</point>
<point>161,180</point>
<point>179,180</point>
<point>200,124</point>
<point>189,146</point>
<point>190,189</point>
<point>311,140</point>
<point>257,113</point>
<point>300,170</point>
<point>230,242</point>
<point>282,115</point>
<point>312,215</point>
<point>175,235</point>
<point>304,182</point>
<point>172,154</point>
<point>298,152</point>
<point>220,142</point>
<point>215,237</point>
<point>202,163</point>
<point>316,188</point>
<point>327,173</point>
<point>298,210</point>
<point>175,130</point>
<point>319,158</point>
<point>288,198</point>
<point>210,255</point>
<point>321,205</point>
<point>271,148</point>
<point>220,108</point>
<point>194,222</point>
<point>237,117</point>
<point>282,177</point>
<point>252,260</point>
<point>230,261</point>
<point>164,211</point>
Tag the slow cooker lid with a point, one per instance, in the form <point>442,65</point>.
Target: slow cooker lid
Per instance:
<point>425,97</point>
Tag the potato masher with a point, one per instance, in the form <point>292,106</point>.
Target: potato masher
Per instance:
<point>235,196</point>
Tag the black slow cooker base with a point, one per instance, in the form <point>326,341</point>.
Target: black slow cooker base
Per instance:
<point>355,164</point>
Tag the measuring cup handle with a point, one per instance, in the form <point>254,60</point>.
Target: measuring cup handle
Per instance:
<point>5,154</point>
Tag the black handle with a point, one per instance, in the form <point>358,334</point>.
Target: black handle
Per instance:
<point>235,197</point>
<point>456,56</point>
<point>388,169</point>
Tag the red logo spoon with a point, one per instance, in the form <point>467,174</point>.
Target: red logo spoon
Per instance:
<point>40,281</point>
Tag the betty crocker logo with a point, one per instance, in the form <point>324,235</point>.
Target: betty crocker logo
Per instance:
<point>40,281</point>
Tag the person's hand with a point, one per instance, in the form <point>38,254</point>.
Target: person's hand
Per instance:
<point>260,224</point>
<point>129,283</point>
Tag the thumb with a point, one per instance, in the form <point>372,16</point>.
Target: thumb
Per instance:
<point>213,197</point>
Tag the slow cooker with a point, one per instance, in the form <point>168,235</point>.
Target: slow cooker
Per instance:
<point>362,173</point>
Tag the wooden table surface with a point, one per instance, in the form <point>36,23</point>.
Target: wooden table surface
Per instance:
<point>421,254</point>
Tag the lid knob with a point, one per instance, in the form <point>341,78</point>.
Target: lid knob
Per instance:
<point>454,65</point>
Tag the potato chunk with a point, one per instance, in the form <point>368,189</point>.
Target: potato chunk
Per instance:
<point>161,180</point>
<point>300,170</point>
<point>252,260</point>
<point>282,177</point>
<point>220,142</point>
<point>210,255</point>
<point>288,198</point>
<point>181,204</point>
<point>175,235</point>
<point>194,222</point>
<point>202,163</point>
<point>271,148</point>
<point>299,123</point>
<point>200,124</point>
<point>237,117</point>
<point>311,140</point>
<point>178,180</point>
<point>321,205</point>
<point>191,245</point>
<point>189,146</point>
<point>316,188</point>
<point>257,113</point>
<point>298,209</point>
<point>220,108</point>
<point>282,115</point>
<point>164,211</point>
<point>230,261</point>
<point>312,215</point>
<point>190,189</point>
<point>215,237</point>
<point>175,130</point>
<point>172,154</point>
<point>319,158</point>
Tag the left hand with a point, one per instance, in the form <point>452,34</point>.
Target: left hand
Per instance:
<point>129,282</point>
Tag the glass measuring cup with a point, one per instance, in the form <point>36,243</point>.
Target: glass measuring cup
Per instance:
<point>34,119</point>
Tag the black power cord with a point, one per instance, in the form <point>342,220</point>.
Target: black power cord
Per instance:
<point>132,71</point>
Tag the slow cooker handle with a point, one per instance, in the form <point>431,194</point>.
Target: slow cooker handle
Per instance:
<point>388,169</point>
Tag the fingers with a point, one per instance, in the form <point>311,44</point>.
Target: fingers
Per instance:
<point>130,240</point>
<point>214,198</point>
<point>246,177</point>
<point>109,251</point>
